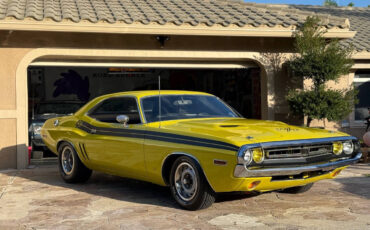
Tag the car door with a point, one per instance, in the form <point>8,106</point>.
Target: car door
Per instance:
<point>111,146</point>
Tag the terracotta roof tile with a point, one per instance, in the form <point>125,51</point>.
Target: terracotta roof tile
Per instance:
<point>359,20</point>
<point>193,12</point>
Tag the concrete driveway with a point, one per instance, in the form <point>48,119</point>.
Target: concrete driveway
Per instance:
<point>39,199</point>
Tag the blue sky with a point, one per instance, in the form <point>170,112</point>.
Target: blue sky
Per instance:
<point>313,2</point>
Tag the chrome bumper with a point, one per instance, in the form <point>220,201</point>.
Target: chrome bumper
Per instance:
<point>38,142</point>
<point>242,171</point>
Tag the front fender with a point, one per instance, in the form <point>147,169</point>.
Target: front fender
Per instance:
<point>219,176</point>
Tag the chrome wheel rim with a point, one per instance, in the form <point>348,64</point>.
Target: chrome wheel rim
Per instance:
<point>185,181</point>
<point>67,160</point>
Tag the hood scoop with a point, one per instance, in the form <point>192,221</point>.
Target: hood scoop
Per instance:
<point>229,126</point>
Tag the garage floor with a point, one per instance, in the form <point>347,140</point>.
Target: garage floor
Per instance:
<point>38,199</point>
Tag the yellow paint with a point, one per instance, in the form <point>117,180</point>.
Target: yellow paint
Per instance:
<point>142,159</point>
<point>267,185</point>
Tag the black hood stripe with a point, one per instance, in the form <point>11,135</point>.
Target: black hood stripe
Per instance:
<point>159,136</point>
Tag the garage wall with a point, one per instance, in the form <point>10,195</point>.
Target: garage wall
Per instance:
<point>8,148</point>
<point>13,57</point>
<point>9,60</point>
<point>119,41</point>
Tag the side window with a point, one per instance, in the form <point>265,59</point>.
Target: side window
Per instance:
<point>109,109</point>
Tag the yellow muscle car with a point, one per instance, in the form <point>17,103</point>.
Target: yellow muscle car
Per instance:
<point>194,143</point>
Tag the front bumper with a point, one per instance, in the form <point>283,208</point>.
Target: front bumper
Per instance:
<point>38,142</point>
<point>269,184</point>
<point>242,171</point>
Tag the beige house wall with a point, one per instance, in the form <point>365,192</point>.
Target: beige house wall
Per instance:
<point>8,148</point>
<point>18,53</point>
<point>9,60</point>
<point>345,82</point>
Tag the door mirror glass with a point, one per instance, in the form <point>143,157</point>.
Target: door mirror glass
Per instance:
<point>122,119</point>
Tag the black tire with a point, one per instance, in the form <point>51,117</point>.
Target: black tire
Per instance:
<point>203,196</point>
<point>78,172</point>
<point>298,189</point>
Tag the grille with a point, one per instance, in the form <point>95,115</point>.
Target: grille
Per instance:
<point>300,151</point>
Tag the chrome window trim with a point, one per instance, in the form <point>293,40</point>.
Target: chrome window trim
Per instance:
<point>100,102</point>
<point>227,105</point>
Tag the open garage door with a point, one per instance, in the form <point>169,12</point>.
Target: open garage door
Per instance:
<point>60,88</point>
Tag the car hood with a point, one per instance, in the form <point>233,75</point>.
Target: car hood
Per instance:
<point>240,131</point>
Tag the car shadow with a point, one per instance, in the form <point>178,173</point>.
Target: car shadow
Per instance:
<point>359,186</point>
<point>232,196</point>
<point>113,187</point>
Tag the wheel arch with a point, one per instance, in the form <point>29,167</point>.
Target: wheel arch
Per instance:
<point>171,158</point>
<point>65,141</point>
<point>77,150</point>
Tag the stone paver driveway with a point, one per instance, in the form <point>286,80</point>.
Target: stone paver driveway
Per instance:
<point>39,199</point>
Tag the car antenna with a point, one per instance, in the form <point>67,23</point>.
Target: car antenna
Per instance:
<point>159,99</point>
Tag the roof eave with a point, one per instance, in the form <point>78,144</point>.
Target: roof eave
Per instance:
<point>156,29</point>
<point>364,54</point>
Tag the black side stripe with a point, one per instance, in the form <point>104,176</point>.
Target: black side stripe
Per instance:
<point>92,129</point>
<point>160,136</point>
<point>165,139</point>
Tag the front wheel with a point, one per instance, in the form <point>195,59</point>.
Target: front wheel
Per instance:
<point>298,189</point>
<point>71,168</point>
<point>189,186</point>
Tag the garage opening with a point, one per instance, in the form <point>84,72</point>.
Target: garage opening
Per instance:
<point>61,90</point>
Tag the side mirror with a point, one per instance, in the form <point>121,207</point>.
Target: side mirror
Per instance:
<point>123,119</point>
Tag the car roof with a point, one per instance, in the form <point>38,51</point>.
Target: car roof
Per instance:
<point>60,102</point>
<point>137,94</point>
<point>145,93</point>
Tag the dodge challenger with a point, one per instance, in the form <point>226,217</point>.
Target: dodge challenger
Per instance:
<point>194,143</point>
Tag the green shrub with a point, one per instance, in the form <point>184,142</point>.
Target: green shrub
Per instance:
<point>320,61</point>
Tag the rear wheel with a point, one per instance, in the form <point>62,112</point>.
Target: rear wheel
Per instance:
<point>189,186</point>
<point>71,169</point>
<point>298,189</point>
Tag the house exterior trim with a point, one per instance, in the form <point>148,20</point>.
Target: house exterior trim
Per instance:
<point>156,29</point>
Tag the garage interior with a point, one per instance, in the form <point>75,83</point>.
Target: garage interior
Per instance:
<point>61,90</point>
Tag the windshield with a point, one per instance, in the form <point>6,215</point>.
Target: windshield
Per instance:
<point>58,108</point>
<point>184,106</point>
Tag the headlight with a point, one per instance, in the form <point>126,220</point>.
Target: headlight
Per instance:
<point>258,155</point>
<point>337,148</point>
<point>255,154</point>
<point>348,147</point>
<point>36,129</point>
<point>247,156</point>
